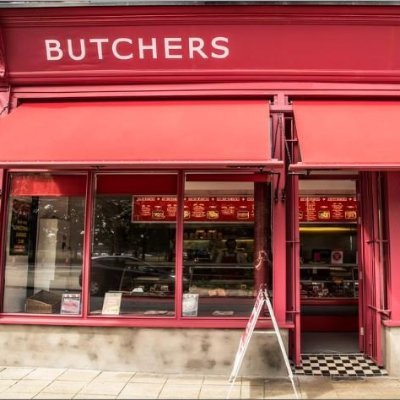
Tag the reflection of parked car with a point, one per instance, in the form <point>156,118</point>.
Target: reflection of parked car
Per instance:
<point>129,273</point>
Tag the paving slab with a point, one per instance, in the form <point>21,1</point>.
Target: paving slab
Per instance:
<point>174,391</point>
<point>185,379</point>
<point>219,392</point>
<point>278,396</point>
<point>220,380</point>
<point>141,377</point>
<point>319,395</point>
<point>28,386</point>
<point>93,396</point>
<point>64,387</point>
<point>15,372</point>
<point>141,390</point>
<point>6,383</point>
<point>103,388</point>
<point>363,394</point>
<point>45,373</point>
<point>111,376</point>
<point>15,396</point>
<point>252,382</point>
<point>54,396</point>
<point>251,391</point>
<point>83,375</point>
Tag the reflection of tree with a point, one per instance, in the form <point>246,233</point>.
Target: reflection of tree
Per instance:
<point>112,224</point>
<point>115,233</point>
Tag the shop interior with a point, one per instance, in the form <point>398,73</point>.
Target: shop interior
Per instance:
<point>328,265</point>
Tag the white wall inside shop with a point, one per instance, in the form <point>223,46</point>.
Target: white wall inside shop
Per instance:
<point>391,346</point>
<point>306,186</point>
<point>202,351</point>
<point>326,187</point>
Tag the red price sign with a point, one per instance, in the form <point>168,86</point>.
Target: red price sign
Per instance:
<point>328,209</point>
<point>212,209</point>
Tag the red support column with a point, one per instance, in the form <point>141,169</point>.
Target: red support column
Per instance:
<point>179,246</point>
<point>262,235</point>
<point>393,284</point>
<point>279,228</point>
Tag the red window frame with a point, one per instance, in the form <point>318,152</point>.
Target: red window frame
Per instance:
<point>86,319</point>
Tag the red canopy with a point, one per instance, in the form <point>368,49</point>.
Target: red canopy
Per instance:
<point>219,133</point>
<point>359,135</point>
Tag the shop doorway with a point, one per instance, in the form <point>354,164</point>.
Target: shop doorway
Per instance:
<point>329,265</point>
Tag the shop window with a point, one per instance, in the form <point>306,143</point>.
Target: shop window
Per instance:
<point>44,244</point>
<point>133,252</point>
<point>220,251</point>
<point>328,258</point>
<point>328,252</point>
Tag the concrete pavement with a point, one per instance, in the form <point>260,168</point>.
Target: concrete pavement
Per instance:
<point>52,383</point>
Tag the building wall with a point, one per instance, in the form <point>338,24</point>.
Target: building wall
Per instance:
<point>148,350</point>
<point>392,350</point>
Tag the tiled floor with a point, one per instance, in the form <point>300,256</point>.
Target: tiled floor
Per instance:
<point>338,365</point>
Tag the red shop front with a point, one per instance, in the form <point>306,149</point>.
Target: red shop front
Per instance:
<point>160,164</point>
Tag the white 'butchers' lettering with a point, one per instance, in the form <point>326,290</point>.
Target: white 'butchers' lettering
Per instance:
<point>125,48</point>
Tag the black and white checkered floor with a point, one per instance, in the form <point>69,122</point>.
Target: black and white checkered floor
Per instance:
<point>349,365</point>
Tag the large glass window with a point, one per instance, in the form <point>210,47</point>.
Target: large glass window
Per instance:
<point>44,244</point>
<point>225,260</point>
<point>133,267</point>
<point>133,253</point>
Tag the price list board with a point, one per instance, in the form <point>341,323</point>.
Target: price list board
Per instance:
<point>212,209</point>
<point>328,209</point>
<point>239,208</point>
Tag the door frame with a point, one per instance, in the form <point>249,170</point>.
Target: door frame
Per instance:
<point>373,261</point>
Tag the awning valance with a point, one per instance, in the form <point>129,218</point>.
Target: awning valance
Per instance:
<point>357,135</point>
<point>189,133</point>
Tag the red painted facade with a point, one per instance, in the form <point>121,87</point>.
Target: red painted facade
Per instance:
<point>274,53</point>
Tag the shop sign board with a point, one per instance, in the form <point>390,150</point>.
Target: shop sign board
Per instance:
<point>246,335</point>
<point>73,46</point>
<point>262,300</point>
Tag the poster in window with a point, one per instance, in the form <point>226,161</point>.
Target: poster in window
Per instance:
<point>190,304</point>
<point>71,303</point>
<point>112,303</point>
<point>19,232</point>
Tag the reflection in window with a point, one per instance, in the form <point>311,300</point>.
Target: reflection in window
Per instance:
<point>219,248</point>
<point>133,255</point>
<point>44,244</point>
